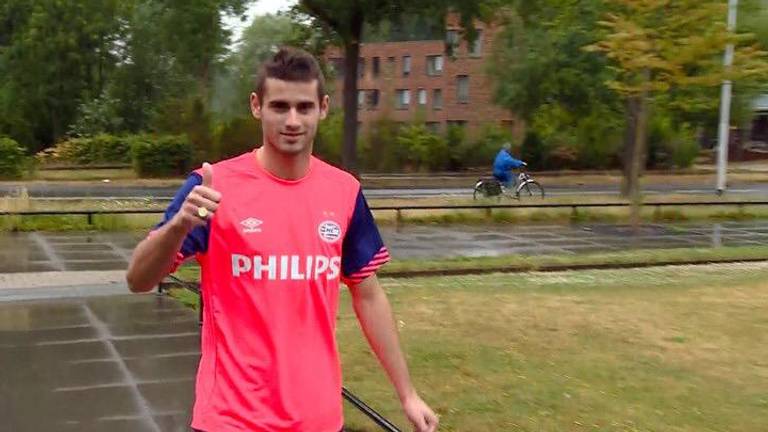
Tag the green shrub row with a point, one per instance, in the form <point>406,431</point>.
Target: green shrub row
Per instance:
<point>13,160</point>
<point>150,155</point>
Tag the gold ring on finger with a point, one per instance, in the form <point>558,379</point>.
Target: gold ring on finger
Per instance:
<point>202,212</point>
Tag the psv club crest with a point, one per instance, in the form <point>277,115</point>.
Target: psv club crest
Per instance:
<point>329,231</point>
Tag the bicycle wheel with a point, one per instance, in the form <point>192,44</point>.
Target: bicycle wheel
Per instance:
<point>530,190</point>
<point>480,191</point>
<point>485,189</point>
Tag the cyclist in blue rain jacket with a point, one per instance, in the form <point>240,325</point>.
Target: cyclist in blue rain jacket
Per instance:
<point>503,164</point>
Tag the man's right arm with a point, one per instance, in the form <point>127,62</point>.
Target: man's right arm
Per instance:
<point>157,255</point>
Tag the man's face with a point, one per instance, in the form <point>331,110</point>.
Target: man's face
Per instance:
<point>289,114</point>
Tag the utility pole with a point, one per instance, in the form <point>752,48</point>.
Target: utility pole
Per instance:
<point>725,104</point>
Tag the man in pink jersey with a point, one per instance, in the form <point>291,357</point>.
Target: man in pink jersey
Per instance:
<point>275,230</point>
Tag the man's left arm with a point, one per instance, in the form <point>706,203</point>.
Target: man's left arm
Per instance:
<point>363,253</point>
<point>375,316</point>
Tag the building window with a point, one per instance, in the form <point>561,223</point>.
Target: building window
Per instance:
<point>375,67</point>
<point>434,65</point>
<point>422,97</point>
<point>368,99</point>
<point>361,68</point>
<point>437,99</point>
<point>476,48</point>
<point>433,126</point>
<point>462,88</point>
<point>451,41</point>
<point>402,99</point>
<point>373,99</point>
<point>360,98</point>
<point>406,65</point>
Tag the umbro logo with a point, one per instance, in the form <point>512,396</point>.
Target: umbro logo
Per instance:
<point>251,225</point>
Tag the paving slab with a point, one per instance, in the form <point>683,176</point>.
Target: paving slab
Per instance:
<point>97,364</point>
<point>46,252</point>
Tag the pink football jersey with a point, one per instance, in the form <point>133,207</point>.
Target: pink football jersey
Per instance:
<point>272,258</point>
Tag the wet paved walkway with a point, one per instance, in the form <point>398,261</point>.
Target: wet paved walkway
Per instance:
<point>44,252</point>
<point>117,363</point>
<point>101,364</point>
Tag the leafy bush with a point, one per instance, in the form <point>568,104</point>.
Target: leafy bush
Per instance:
<point>235,137</point>
<point>570,141</point>
<point>380,150</point>
<point>671,144</point>
<point>330,137</point>
<point>458,146</point>
<point>13,161</point>
<point>97,116</point>
<point>98,149</point>
<point>599,137</point>
<point>188,116</point>
<point>683,147</point>
<point>479,153</point>
<point>161,156</point>
<point>424,150</point>
<point>533,151</point>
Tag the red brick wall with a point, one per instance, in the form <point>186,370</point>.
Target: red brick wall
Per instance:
<point>478,111</point>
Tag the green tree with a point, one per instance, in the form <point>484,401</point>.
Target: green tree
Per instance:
<point>659,46</point>
<point>192,32</point>
<point>54,54</point>
<point>237,76</point>
<point>542,74</point>
<point>423,149</point>
<point>173,50</point>
<point>538,58</point>
<point>89,66</point>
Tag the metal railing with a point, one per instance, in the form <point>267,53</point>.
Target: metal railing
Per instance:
<point>399,209</point>
<point>573,206</point>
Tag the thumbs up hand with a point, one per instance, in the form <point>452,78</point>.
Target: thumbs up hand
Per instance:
<point>201,203</point>
<point>207,175</point>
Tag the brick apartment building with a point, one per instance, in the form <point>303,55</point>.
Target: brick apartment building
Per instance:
<point>443,82</point>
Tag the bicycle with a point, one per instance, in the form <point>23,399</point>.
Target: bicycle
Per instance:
<point>525,187</point>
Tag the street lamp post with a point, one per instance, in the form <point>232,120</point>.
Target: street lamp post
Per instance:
<point>725,104</point>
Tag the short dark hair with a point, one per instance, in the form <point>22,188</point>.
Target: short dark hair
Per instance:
<point>291,64</point>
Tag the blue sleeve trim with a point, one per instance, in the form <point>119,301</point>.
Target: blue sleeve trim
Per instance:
<point>362,241</point>
<point>197,240</point>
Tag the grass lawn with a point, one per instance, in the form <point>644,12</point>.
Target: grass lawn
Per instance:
<point>656,349</point>
<point>85,174</point>
<point>521,263</point>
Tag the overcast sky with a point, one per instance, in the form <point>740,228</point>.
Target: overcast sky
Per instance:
<point>260,7</point>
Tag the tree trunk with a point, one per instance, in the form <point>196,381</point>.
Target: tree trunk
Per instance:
<point>100,82</point>
<point>629,146</point>
<point>638,155</point>
<point>351,56</point>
